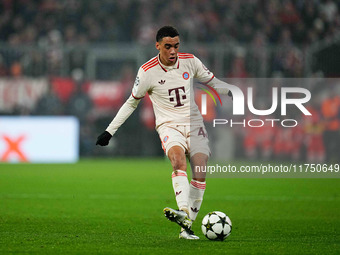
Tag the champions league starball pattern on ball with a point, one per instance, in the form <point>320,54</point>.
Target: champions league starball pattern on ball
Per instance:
<point>216,226</point>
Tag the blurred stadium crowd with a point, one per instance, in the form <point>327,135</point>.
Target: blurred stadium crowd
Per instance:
<point>45,28</point>
<point>80,21</point>
<point>291,25</point>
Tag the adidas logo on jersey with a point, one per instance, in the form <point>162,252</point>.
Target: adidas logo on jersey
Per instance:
<point>161,82</point>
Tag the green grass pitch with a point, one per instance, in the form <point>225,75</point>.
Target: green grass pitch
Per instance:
<point>115,207</point>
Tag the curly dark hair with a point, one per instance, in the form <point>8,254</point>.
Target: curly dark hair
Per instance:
<point>166,31</point>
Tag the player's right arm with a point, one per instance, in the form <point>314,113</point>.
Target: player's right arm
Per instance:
<point>139,90</point>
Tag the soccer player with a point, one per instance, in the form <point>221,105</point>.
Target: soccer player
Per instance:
<point>166,78</point>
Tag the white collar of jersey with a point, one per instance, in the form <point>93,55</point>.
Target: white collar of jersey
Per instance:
<point>166,68</point>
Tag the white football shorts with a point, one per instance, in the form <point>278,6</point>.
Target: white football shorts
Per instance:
<point>191,140</point>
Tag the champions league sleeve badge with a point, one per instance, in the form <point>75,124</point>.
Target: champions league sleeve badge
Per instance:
<point>136,82</point>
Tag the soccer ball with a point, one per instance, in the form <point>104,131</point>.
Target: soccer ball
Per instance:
<point>216,226</point>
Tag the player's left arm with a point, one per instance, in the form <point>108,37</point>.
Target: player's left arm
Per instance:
<point>221,87</point>
<point>207,77</point>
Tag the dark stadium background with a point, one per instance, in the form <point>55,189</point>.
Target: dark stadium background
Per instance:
<point>90,51</point>
<point>80,57</point>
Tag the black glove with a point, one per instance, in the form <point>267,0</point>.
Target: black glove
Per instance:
<point>230,94</point>
<point>104,139</point>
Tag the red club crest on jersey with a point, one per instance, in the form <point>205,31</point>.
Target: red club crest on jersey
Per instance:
<point>185,75</point>
<point>165,139</point>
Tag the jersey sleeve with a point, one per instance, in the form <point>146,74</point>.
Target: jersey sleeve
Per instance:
<point>124,112</point>
<point>141,85</point>
<point>201,72</point>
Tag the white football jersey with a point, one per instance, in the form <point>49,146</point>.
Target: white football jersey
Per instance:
<point>170,88</point>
